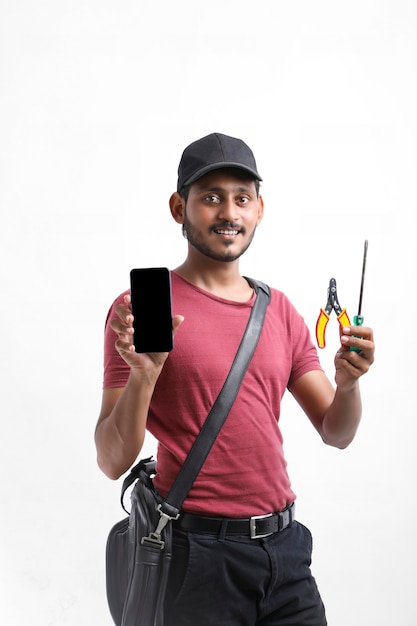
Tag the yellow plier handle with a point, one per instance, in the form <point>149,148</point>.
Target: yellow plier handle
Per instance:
<point>322,322</point>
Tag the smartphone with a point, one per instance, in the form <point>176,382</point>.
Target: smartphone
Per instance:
<point>150,290</point>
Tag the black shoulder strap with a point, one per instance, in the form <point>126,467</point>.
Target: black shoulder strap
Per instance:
<point>220,409</point>
<point>218,413</point>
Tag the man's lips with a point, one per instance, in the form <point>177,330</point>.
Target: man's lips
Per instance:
<point>229,232</point>
<point>228,229</point>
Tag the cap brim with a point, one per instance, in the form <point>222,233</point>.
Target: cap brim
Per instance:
<point>219,166</point>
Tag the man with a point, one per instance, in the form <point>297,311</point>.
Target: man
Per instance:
<point>220,575</point>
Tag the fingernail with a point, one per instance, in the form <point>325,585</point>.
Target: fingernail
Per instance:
<point>346,330</point>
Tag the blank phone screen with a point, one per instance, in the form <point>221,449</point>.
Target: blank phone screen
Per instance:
<point>150,290</point>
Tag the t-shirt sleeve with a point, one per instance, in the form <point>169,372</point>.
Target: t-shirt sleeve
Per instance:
<point>305,357</point>
<point>116,370</point>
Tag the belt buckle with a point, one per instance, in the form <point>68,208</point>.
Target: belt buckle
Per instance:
<point>252,526</point>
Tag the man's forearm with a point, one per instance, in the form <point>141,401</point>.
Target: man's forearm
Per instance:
<point>342,418</point>
<point>119,436</point>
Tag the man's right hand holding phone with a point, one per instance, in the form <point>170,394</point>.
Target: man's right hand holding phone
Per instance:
<point>123,327</point>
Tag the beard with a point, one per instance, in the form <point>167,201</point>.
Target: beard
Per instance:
<point>196,239</point>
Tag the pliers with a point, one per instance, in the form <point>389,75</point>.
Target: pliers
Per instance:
<point>332,304</point>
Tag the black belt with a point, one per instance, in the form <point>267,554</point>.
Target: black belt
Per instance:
<point>255,527</point>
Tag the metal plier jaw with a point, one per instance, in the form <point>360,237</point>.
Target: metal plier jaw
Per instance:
<point>323,319</point>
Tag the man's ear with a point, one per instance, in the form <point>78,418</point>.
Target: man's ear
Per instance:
<point>177,207</point>
<point>260,210</point>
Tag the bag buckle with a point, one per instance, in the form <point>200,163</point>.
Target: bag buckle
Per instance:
<point>155,537</point>
<point>252,526</point>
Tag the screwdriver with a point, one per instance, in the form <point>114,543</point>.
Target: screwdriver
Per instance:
<point>358,319</point>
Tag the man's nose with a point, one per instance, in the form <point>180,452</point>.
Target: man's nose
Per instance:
<point>229,210</point>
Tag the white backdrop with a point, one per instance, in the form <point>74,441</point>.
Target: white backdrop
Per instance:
<point>97,100</point>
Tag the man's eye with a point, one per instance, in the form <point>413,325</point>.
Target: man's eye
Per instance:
<point>211,198</point>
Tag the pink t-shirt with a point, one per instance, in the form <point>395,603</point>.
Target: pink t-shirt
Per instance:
<point>245,473</point>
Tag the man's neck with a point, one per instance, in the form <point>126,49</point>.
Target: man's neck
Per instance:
<point>223,280</point>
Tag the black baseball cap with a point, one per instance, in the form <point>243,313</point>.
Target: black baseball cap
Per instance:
<point>214,152</point>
